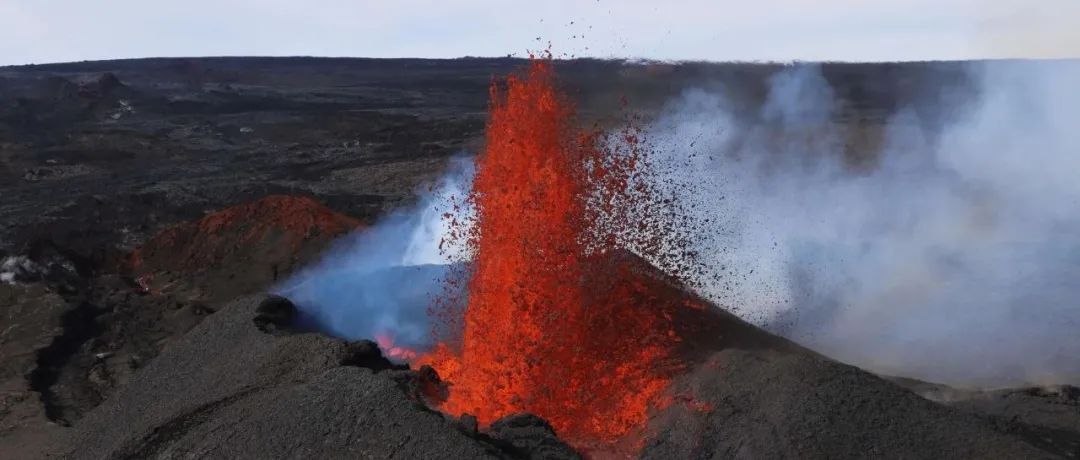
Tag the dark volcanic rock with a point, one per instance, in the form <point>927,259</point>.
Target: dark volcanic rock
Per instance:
<point>31,316</point>
<point>760,403</point>
<point>274,313</point>
<point>111,324</point>
<point>469,424</point>
<point>1054,407</point>
<point>1048,417</point>
<point>531,437</point>
<point>108,82</point>
<point>365,353</point>
<point>344,412</point>
<point>227,390</point>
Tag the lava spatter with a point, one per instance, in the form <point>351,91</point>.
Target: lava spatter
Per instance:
<point>557,323</point>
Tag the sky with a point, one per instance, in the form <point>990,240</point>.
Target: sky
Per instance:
<point>41,31</point>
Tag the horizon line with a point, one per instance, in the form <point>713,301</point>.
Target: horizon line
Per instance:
<point>564,57</point>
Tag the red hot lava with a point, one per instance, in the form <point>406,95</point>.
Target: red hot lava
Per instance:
<point>386,343</point>
<point>557,323</point>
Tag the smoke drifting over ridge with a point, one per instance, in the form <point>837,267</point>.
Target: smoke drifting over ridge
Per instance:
<point>952,257</point>
<point>379,282</point>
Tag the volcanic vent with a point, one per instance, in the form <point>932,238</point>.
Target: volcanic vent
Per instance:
<point>559,320</point>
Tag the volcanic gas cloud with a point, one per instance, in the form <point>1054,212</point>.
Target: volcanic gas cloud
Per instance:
<point>559,322</point>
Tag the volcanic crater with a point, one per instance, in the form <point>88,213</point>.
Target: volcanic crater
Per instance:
<point>578,339</point>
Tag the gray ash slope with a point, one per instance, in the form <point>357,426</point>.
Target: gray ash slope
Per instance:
<point>229,390</point>
<point>770,404</point>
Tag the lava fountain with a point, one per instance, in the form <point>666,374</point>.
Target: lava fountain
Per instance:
<point>557,323</point>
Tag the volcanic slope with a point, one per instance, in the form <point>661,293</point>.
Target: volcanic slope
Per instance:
<point>68,342</point>
<point>749,394</point>
<point>227,390</point>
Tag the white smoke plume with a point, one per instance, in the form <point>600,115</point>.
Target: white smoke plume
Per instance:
<point>953,255</point>
<point>16,268</point>
<point>380,281</point>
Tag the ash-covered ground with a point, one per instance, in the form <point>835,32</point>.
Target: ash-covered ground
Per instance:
<point>145,205</point>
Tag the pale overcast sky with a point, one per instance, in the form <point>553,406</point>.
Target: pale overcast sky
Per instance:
<point>39,31</point>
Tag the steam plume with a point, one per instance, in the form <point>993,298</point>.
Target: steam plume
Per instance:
<point>379,282</point>
<point>952,257</point>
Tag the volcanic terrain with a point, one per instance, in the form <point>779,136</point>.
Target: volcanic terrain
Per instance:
<point>149,205</point>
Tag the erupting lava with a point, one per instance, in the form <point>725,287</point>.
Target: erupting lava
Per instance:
<point>557,322</point>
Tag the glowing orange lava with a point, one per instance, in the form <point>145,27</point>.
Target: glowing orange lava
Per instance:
<point>557,324</point>
<point>386,344</point>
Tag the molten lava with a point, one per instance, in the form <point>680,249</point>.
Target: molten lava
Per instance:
<point>557,322</point>
<point>386,344</point>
